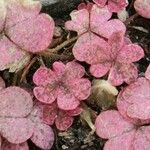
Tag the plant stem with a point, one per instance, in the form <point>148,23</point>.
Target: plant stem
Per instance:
<point>62,45</point>
<point>131,4</point>
<point>26,70</point>
<point>131,18</point>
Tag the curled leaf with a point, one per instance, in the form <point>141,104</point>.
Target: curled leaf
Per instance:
<point>103,94</point>
<point>87,117</point>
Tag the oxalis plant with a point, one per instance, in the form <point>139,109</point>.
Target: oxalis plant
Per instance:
<point>48,78</point>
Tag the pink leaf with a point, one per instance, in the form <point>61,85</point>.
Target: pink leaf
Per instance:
<point>45,94</point>
<point>11,55</point>
<point>74,70</point>
<point>123,142</point>
<point>100,24</point>
<point>16,130</point>
<point>127,41</point>
<point>80,21</point>
<point>36,115</point>
<point>26,9</point>
<point>123,73</point>
<point>3,12</point>
<point>50,113</point>
<point>111,124</point>
<point>128,127</point>
<point>74,112</point>
<point>116,6</point>
<point>58,85</point>
<point>15,102</point>
<point>99,70</point>
<point>9,146</point>
<point>100,3</point>
<point>70,71</point>
<point>81,88</point>
<point>140,110</point>
<point>87,6</point>
<point>122,106</point>
<point>82,6</point>
<point>15,105</point>
<point>58,68</point>
<point>132,94</point>
<point>0,141</point>
<point>113,5</point>
<point>2,84</point>
<point>137,95</point>
<point>67,101</point>
<point>19,15</point>
<point>108,28</point>
<point>63,121</point>
<point>121,133</point>
<point>130,53</point>
<point>43,76</point>
<point>116,42</point>
<point>43,136</point>
<point>142,7</point>
<point>95,20</point>
<point>91,49</point>
<point>147,73</point>
<point>99,16</point>
<point>142,138</point>
<point>30,39</point>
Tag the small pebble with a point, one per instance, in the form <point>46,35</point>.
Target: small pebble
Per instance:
<point>64,147</point>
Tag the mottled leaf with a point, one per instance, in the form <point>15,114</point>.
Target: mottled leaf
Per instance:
<point>9,146</point>
<point>142,138</point>
<point>43,136</point>
<point>33,35</point>
<point>63,121</point>
<point>123,142</point>
<point>138,98</point>
<point>80,21</point>
<point>16,130</point>
<point>12,57</point>
<point>15,102</point>
<point>111,124</point>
